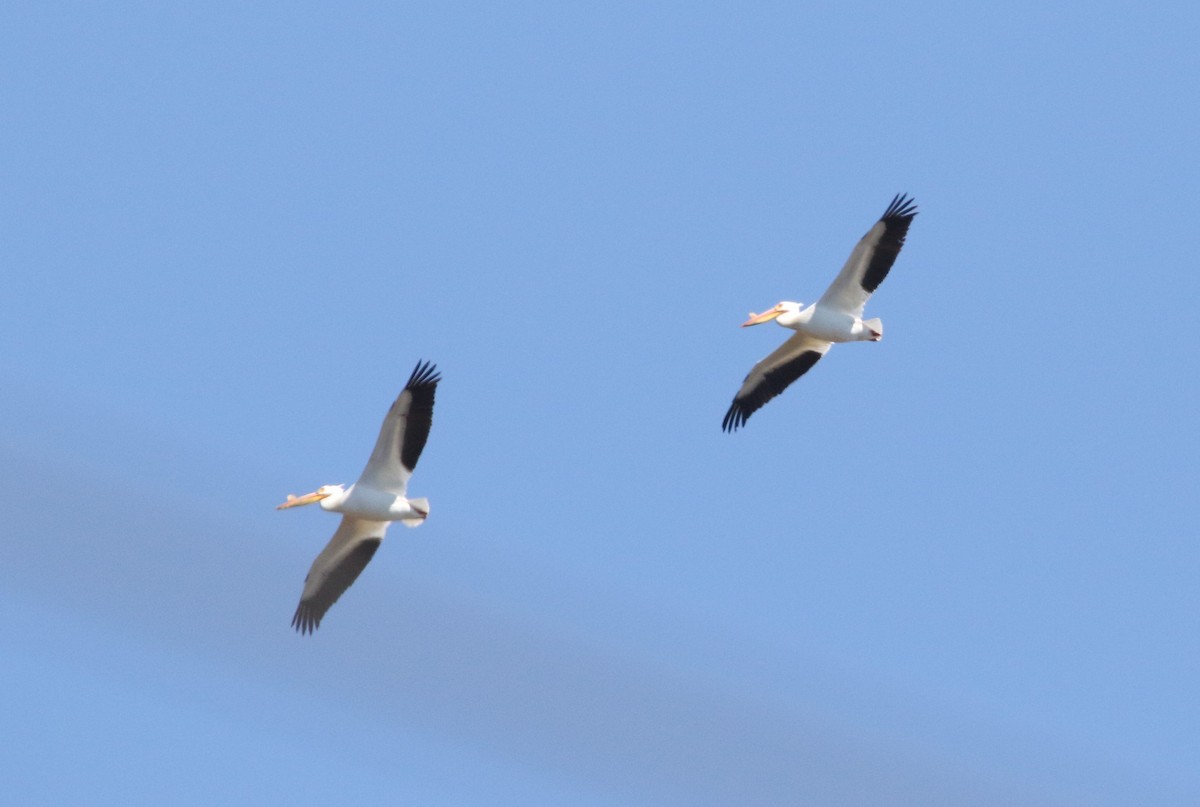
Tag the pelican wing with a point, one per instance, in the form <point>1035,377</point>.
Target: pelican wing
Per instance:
<point>772,375</point>
<point>404,432</point>
<point>871,259</point>
<point>336,568</point>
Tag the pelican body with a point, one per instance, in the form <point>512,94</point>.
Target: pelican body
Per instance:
<point>366,502</point>
<point>836,317</point>
<point>821,322</point>
<point>372,503</point>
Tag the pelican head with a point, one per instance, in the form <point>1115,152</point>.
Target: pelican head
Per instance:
<point>785,313</point>
<point>319,495</point>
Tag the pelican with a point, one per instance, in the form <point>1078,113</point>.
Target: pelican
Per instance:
<point>373,502</point>
<point>836,317</point>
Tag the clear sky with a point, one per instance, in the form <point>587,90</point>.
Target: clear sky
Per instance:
<point>955,567</point>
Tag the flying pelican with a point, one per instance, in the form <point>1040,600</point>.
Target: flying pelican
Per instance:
<point>373,502</point>
<point>836,317</point>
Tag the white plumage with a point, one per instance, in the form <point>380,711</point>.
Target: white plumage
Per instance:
<point>373,502</point>
<point>836,317</point>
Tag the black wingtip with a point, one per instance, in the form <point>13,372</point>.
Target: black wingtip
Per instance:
<point>735,417</point>
<point>304,620</point>
<point>903,206</point>
<point>424,374</point>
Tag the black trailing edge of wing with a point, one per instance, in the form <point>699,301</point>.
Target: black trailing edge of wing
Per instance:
<point>895,219</point>
<point>422,385</point>
<point>772,383</point>
<point>310,611</point>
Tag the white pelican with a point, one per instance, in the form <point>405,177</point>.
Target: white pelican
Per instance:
<point>836,317</point>
<point>373,502</point>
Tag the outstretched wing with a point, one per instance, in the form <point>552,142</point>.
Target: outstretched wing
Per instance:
<point>772,375</point>
<point>404,432</point>
<point>871,259</point>
<point>336,568</point>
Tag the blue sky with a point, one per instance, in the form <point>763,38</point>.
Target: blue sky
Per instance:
<point>957,566</point>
